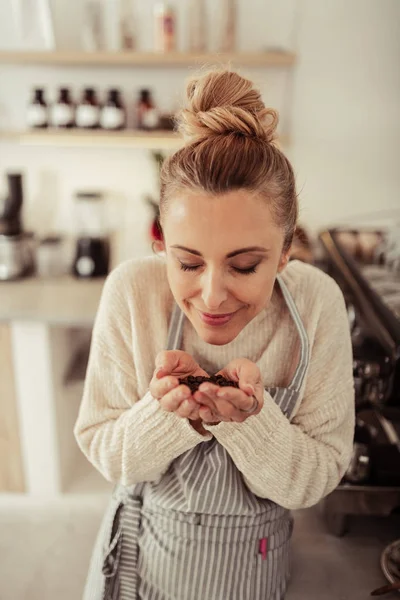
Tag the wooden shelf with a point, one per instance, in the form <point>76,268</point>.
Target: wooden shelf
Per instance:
<point>272,58</point>
<point>152,140</point>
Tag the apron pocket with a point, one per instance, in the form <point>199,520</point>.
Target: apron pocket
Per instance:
<point>272,567</point>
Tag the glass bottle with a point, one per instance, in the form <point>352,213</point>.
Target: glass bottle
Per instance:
<point>164,28</point>
<point>113,113</point>
<point>63,112</point>
<point>88,110</point>
<point>147,113</point>
<point>37,113</point>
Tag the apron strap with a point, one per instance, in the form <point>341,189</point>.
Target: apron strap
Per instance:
<point>175,329</point>
<point>299,375</point>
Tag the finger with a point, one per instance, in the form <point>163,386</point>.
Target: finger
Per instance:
<point>194,415</point>
<point>186,409</point>
<point>221,409</point>
<point>245,372</point>
<point>160,387</point>
<point>166,361</point>
<point>237,398</point>
<point>207,416</point>
<point>227,406</point>
<point>205,400</point>
<point>173,399</point>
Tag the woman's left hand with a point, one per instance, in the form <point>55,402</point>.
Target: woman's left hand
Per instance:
<point>229,403</point>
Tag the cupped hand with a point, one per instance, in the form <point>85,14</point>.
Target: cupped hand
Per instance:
<point>173,396</point>
<point>228,403</point>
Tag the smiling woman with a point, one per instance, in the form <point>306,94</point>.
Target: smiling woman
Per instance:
<point>207,474</point>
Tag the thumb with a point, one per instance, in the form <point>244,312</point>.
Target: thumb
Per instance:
<point>166,361</point>
<point>249,376</point>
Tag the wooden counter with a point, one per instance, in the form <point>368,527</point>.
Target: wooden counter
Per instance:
<point>42,323</point>
<point>54,301</point>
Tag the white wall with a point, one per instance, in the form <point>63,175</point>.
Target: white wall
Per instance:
<point>342,102</point>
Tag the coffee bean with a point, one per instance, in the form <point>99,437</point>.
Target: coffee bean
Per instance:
<point>194,382</point>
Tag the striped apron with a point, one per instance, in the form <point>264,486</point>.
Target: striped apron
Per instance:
<point>198,533</point>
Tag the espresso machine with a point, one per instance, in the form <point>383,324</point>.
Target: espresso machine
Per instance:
<point>16,245</point>
<point>366,265</point>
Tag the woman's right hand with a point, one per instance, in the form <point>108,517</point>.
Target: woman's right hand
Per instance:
<point>173,396</point>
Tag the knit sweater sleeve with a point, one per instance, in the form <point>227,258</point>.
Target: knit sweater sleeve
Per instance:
<point>297,462</point>
<point>128,438</point>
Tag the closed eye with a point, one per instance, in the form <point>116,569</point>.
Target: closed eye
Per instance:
<point>246,271</point>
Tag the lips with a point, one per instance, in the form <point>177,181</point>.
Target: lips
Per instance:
<point>221,316</point>
<point>216,320</point>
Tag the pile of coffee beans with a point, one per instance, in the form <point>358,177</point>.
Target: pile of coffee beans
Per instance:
<point>194,382</point>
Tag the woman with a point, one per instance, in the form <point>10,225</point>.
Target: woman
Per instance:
<point>206,480</point>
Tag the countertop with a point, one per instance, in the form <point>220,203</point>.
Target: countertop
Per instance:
<point>57,301</point>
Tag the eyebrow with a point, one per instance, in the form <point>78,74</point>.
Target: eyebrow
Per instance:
<point>230,255</point>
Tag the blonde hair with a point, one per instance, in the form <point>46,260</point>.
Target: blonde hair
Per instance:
<point>229,145</point>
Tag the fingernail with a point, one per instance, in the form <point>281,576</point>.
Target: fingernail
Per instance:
<point>250,389</point>
<point>222,393</point>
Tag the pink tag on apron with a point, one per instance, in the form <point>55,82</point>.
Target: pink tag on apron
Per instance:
<point>264,548</point>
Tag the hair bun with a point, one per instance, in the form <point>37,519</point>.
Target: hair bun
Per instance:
<point>223,103</point>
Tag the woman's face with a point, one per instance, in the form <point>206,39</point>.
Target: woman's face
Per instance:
<point>223,254</point>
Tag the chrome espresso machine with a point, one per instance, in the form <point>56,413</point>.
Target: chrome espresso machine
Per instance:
<point>366,265</point>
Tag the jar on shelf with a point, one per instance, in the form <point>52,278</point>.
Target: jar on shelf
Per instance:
<point>147,113</point>
<point>113,113</point>
<point>37,112</point>
<point>164,27</point>
<point>62,113</point>
<point>88,110</point>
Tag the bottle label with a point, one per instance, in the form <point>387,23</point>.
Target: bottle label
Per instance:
<point>87,116</point>
<point>150,118</point>
<point>112,118</point>
<point>36,115</point>
<point>62,115</point>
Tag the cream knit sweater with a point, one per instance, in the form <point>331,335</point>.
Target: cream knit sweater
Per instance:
<point>127,436</point>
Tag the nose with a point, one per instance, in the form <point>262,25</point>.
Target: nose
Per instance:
<point>214,292</point>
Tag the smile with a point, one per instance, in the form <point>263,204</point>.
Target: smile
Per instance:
<point>216,320</point>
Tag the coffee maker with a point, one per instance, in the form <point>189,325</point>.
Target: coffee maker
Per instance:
<point>16,245</point>
<point>92,255</point>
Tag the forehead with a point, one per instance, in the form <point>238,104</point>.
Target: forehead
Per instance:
<point>218,225</point>
<point>238,212</point>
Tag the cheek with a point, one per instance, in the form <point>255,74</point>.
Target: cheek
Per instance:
<point>182,284</point>
<point>256,289</point>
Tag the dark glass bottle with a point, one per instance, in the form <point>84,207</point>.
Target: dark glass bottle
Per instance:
<point>88,110</point>
<point>147,113</point>
<point>113,113</point>
<point>63,111</point>
<point>37,113</point>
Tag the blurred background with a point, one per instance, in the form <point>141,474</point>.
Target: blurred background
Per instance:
<point>88,91</point>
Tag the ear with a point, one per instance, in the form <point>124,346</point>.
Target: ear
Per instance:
<point>284,260</point>
<point>158,246</point>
